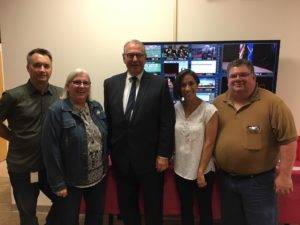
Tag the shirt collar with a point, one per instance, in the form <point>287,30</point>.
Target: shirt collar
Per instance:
<point>254,97</point>
<point>139,76</point>
<point>33,90</point>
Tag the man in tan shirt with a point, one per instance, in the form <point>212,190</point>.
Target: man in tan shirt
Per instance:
<point>256,133</point>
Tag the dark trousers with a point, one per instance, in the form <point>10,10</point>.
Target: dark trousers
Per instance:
<point>26,194</point>
<point>248,200</point>
<point>94,201</point>
<point>129,185</point>
<point>186,190</point>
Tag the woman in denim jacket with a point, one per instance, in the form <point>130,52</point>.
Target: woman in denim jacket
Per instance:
<point>74,150</point>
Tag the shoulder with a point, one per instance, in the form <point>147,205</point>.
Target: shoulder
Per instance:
<point>219,99</point>
<point>178,105</point>
<point>95,104</point>
<point>115,78</point>
<point>17,91</point>
<point>268,96</point>
<point>55,89</point>
<point>154,78</point>
<point>57,105</point>
<point>209,107</point>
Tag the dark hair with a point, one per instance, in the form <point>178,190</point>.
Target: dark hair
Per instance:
<point>40,51</point>
<point>177,84</point>
<point>240,62</point>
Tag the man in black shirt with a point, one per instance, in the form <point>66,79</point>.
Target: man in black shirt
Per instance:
<point>24,108</point>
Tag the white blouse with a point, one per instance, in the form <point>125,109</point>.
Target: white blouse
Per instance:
<point>189,139</point>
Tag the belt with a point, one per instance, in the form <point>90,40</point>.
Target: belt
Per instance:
<point>246,176</point>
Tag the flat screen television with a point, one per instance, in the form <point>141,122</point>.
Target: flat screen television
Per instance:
<point>209,60</point>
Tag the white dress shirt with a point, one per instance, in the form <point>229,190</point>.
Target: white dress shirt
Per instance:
<point>128,87</point>
<point>189,139</point>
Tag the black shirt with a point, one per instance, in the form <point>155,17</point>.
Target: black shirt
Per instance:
<point>24,107</point>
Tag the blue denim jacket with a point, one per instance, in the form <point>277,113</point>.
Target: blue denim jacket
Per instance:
<point>64,143</point>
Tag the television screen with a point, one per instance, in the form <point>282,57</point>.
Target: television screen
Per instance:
<point>204,51</point>
<point>262,55</point>
<point>204,67</point>
<point>153,52</point>
<point>209,60</point>
<point>207,83</point>
<point>176,51</point>
<point>205,96</point>
<point>152,67</point>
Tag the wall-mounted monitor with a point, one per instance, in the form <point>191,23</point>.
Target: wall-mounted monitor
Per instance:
<point>209,60</point>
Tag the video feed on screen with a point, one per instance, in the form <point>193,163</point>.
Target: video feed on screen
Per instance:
<point>171,69</point>
<point>207,83</point>
<point>174,52</point>
<point>203,52</point>
<point>182,65</point>
<point>152,67</point>
<point>208,97</point>
<point>262,55</point>
<point>204,67</point>
<point>153,52</point>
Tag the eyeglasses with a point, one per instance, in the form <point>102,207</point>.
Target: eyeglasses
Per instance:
<point>131,55</point>
<point>78,83</point>
<point>240,75</point>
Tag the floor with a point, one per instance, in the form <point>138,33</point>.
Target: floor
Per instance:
<point>9,213</point>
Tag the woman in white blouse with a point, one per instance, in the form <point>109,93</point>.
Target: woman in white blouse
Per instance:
<point>195,134</point>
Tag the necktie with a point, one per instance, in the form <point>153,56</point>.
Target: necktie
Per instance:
<point>131,99</point>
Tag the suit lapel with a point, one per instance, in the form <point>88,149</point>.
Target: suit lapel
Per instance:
<point>120,93</point>
<point>142,90</point>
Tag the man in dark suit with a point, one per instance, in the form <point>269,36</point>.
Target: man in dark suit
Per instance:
<point>141,120</point>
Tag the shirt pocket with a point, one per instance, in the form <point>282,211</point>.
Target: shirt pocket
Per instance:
<point>68,126</point>
<point>252,136</point>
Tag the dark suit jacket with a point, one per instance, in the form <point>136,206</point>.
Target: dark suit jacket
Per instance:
<point>150,133</point>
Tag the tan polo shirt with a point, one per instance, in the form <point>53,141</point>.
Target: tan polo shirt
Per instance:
<point>249,139</point>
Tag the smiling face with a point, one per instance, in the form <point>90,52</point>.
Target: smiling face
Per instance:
<point>188,87</point>
<point>134,58</point>
<point>39,68</point>
<point>241,80</point>
<point>79,89</point>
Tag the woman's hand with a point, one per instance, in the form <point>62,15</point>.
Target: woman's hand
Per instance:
<point>62,193</point>
<point>201,180</point>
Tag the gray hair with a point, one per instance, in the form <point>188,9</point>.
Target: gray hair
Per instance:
<point>134,41</point>
<point>70,78</point>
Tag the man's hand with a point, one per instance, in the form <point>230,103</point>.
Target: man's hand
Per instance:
<point>162,163</point>
<point>62,193</point>
<point>283,184</point>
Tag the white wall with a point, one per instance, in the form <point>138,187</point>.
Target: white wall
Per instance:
<point>80,33</point>
<point>90,33</point>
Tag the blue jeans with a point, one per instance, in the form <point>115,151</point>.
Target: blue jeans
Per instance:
<point>248,200</point>
<point>94,202</point>
<point>26,194</point>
